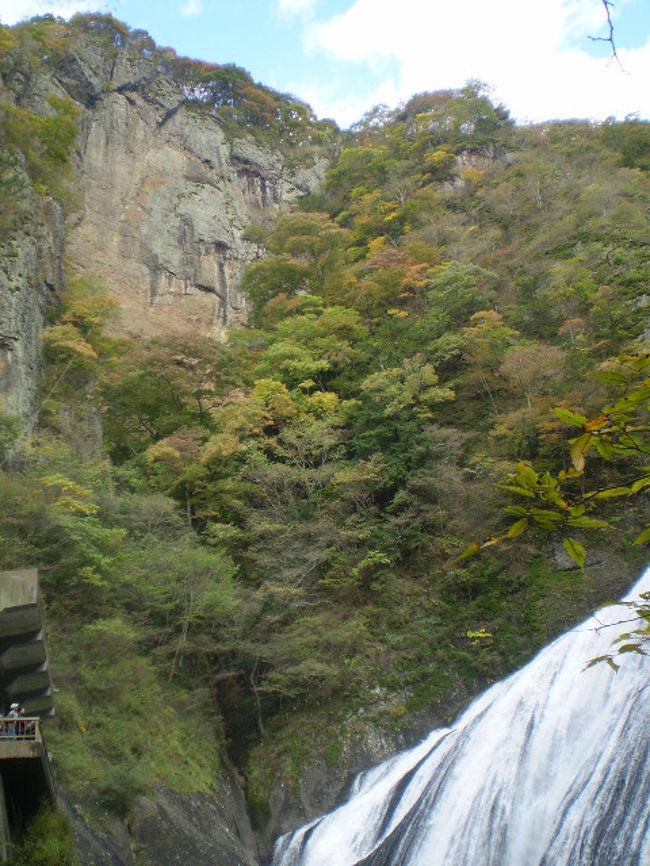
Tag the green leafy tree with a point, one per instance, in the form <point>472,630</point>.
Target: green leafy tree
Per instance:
<point>619,432</point>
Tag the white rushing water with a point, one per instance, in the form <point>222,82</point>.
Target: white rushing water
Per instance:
<point>547,768</point>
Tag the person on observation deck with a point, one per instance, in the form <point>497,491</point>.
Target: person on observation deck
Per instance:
<point>28,726</point>
<point>13,715</point>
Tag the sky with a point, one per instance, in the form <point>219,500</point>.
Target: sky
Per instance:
<point>344,56</point>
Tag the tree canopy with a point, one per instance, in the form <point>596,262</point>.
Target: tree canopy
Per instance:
<point>271,528</point>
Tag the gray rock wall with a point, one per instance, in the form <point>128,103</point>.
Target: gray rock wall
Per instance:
<point>31,272</point>
<point>324,785</point>
<point>169,829</point>
<point>166,196</point>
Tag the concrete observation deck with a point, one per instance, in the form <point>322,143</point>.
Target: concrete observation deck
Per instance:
<point>25,773</point>
<point>24,671</point>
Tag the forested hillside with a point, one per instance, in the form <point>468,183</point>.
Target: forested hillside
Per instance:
<point>250,548</point>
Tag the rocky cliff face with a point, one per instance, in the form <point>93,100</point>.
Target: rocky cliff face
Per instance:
<point>31,271</point>
<point>324,785</point>
<point>166,194</point>
<point>165,828</point>
<point>168,829</point>
<point>165,185</point>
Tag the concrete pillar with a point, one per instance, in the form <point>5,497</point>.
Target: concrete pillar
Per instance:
<point>5,841</point>
<point>24,671</point>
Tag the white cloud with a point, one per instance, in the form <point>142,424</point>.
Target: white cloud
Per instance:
<point>192,8</point>
<point>291,8</point>
<point>326,99</point>
<point>12,11</point>
<point>533,53</point>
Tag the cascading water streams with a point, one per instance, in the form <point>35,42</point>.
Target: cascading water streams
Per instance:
<point>547,768</point>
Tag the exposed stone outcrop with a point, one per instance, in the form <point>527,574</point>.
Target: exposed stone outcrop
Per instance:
<point>173,830</point>
<point>92,847</point>
<point>168,829</point>
<point>325,784</point>
<point>31,271</point>
<point>166,195</point>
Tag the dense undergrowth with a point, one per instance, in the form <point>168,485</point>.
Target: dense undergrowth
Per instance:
<point>46,841</point>
<point>236,538</point>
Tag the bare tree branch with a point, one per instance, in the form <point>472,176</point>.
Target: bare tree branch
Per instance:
<point>608,4</point>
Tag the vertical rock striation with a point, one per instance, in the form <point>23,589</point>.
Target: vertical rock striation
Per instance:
<point>167,193</point>
<point>31,271</point>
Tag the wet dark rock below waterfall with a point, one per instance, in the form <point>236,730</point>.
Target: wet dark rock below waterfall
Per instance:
<point>169,829</point>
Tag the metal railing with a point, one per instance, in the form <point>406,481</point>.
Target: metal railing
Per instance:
<point>23,728</point>
<point>21,739</point>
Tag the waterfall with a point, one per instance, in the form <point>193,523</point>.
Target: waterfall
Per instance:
<point>547,768</point>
